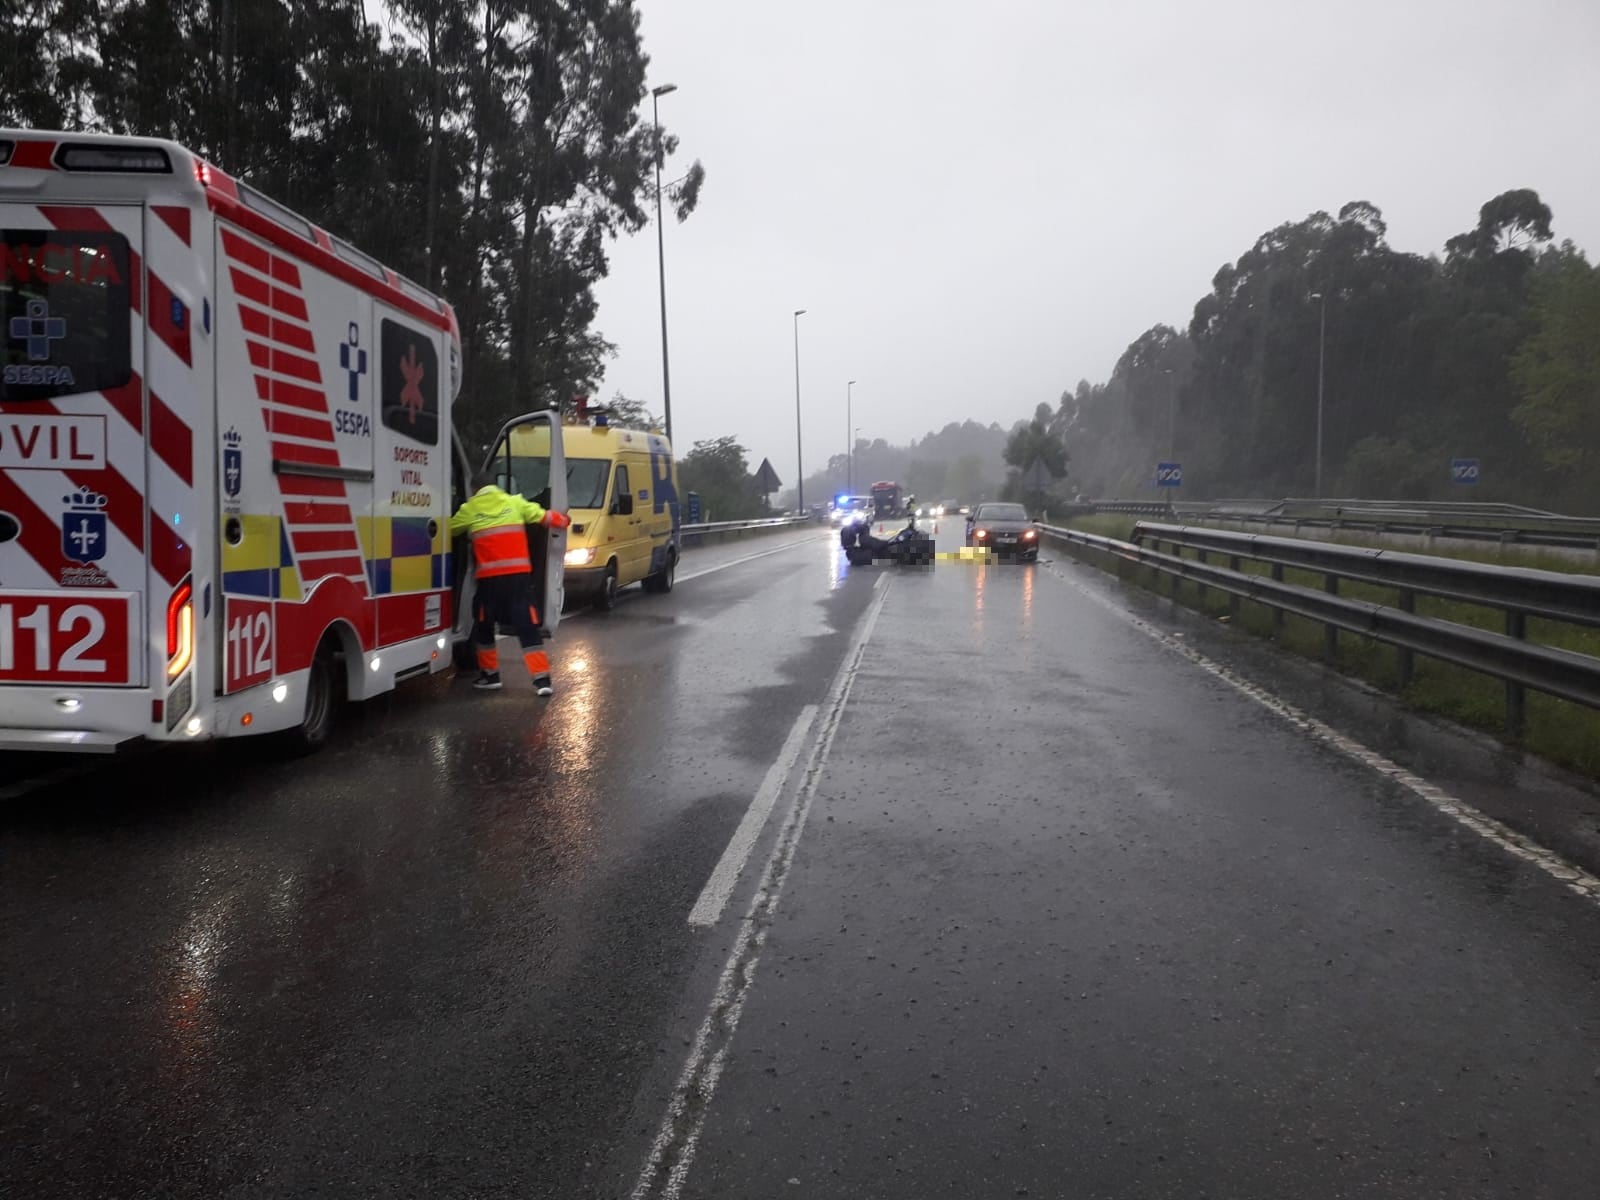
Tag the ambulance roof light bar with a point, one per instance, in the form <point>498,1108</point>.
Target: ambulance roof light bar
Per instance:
<point>137,160</point>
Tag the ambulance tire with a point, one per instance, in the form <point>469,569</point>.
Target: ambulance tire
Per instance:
<point>661,582</point>
<point>322,703</point>
<point>605,599</point>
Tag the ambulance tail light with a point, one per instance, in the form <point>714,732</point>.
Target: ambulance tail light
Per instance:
<point>138,160</point>
<point>180,630</point>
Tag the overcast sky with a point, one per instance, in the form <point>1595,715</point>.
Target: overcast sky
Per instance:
<point>981,203</point>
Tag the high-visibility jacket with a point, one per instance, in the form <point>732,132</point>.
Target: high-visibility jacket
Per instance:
<point>495,520</point>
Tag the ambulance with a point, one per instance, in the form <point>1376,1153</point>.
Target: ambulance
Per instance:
<point>622,488</point>
<point>227,463</point>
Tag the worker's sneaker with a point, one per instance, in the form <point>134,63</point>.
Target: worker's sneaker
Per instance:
<point>489,681</point>
<point>541,686</point>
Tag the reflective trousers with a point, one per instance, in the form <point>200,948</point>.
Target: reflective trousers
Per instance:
<point>505,600</point>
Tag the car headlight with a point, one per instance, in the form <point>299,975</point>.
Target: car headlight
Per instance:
<point>579,556</point>
<point>1029,534</point>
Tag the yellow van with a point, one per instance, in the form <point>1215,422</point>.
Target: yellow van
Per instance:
<point>622,495</point>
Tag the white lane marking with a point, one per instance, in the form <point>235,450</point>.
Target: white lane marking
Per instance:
<point>714,896</point>
<point>810,541</point>
<point>673,1151</point>
<point>1458,810</point>
<point>576,613</point>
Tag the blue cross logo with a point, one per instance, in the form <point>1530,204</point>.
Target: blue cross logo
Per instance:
<point>353,360</point>
<point>38,329</point>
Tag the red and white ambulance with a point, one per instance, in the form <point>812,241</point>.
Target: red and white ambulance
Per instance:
<point>227,464</point>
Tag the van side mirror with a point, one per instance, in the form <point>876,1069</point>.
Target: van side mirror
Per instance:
<point>622,505</point>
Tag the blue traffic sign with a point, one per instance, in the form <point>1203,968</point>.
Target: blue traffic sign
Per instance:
<point>1169,474</point>
<point>694,508</point>
<point>1464,470</point>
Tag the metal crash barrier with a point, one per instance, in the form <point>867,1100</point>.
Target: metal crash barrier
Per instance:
<point>1517,592</point>
<point>712,532</point>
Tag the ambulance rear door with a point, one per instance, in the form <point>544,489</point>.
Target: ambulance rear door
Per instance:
<point>411,489</point>
<point>529,460</point>
<point>75,526</point>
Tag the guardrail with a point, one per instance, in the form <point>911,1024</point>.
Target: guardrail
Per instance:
<point>696,535</point>
<point>1504,523</point>
<point>1517,592</point>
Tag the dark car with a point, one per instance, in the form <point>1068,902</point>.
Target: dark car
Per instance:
<point>1005,529</point>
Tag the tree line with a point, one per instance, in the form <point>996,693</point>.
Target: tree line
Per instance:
<point>487,149</point>
<point>1486,351</point>
<point>965,460</point>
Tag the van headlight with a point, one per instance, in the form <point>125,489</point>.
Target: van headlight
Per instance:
<point>579,556</point>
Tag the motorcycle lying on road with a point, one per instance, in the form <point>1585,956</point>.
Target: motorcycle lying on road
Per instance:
<point>909,547</point>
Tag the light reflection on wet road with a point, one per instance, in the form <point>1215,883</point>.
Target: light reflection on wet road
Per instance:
<point>1070,918</point>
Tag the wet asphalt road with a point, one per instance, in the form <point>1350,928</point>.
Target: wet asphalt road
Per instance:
<point>1065,916</point>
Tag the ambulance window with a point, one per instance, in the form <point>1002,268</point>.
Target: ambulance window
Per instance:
<point>622,480</point>
<point>280,214</point>
<point>408,382</point>
<point>351,255</point>
<point>64,300</point>
<point>527,476</point>
<point>418,294</point>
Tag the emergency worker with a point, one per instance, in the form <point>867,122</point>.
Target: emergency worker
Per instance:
<point>495,521</point>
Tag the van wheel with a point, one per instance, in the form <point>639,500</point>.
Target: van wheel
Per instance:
<point>606,598</point>
<point>661,582</point>
<point>322,702</point>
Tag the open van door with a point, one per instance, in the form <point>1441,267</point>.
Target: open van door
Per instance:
<point>528,460</point>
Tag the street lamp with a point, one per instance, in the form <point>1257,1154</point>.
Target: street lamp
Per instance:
<point>1322,349</point>
<point>850,444</point>
<point>661,253</point>
<point>799,455</point>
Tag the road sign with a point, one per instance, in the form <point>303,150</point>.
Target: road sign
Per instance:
<point>693,517</point>
<point>1037,477</point>
<point>767,480</point>
<point>1463,470</point>
<point>1169,474</point>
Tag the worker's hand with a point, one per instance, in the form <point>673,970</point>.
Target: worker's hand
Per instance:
<point>557,520</point>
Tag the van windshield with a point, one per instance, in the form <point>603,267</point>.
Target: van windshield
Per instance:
<point>530,477</point>
<point>586,482</point>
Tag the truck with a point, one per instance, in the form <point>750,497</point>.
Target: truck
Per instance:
<point>886,501</point>
<point>227,458</point>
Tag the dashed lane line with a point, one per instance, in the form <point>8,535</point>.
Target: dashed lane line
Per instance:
<point>673,1150</point>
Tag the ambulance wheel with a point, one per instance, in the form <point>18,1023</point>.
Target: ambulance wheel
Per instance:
<point>661,582</point>
<point>322,700</point>
<point>606,598</point>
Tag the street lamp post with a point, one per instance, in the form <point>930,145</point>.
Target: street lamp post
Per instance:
<point>799,454</point>
<point>1322,351</point>
<point>661,254</point>
<point>850,445</point>
<point>1172,416</point>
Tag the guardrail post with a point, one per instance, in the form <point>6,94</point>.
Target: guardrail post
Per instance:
<point>1408,660</point>
<point>1330,632</point>
<point>1233,597</point>
<point>1200,587</point>
<point>1277,613</point>
<point>1516,699</point>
